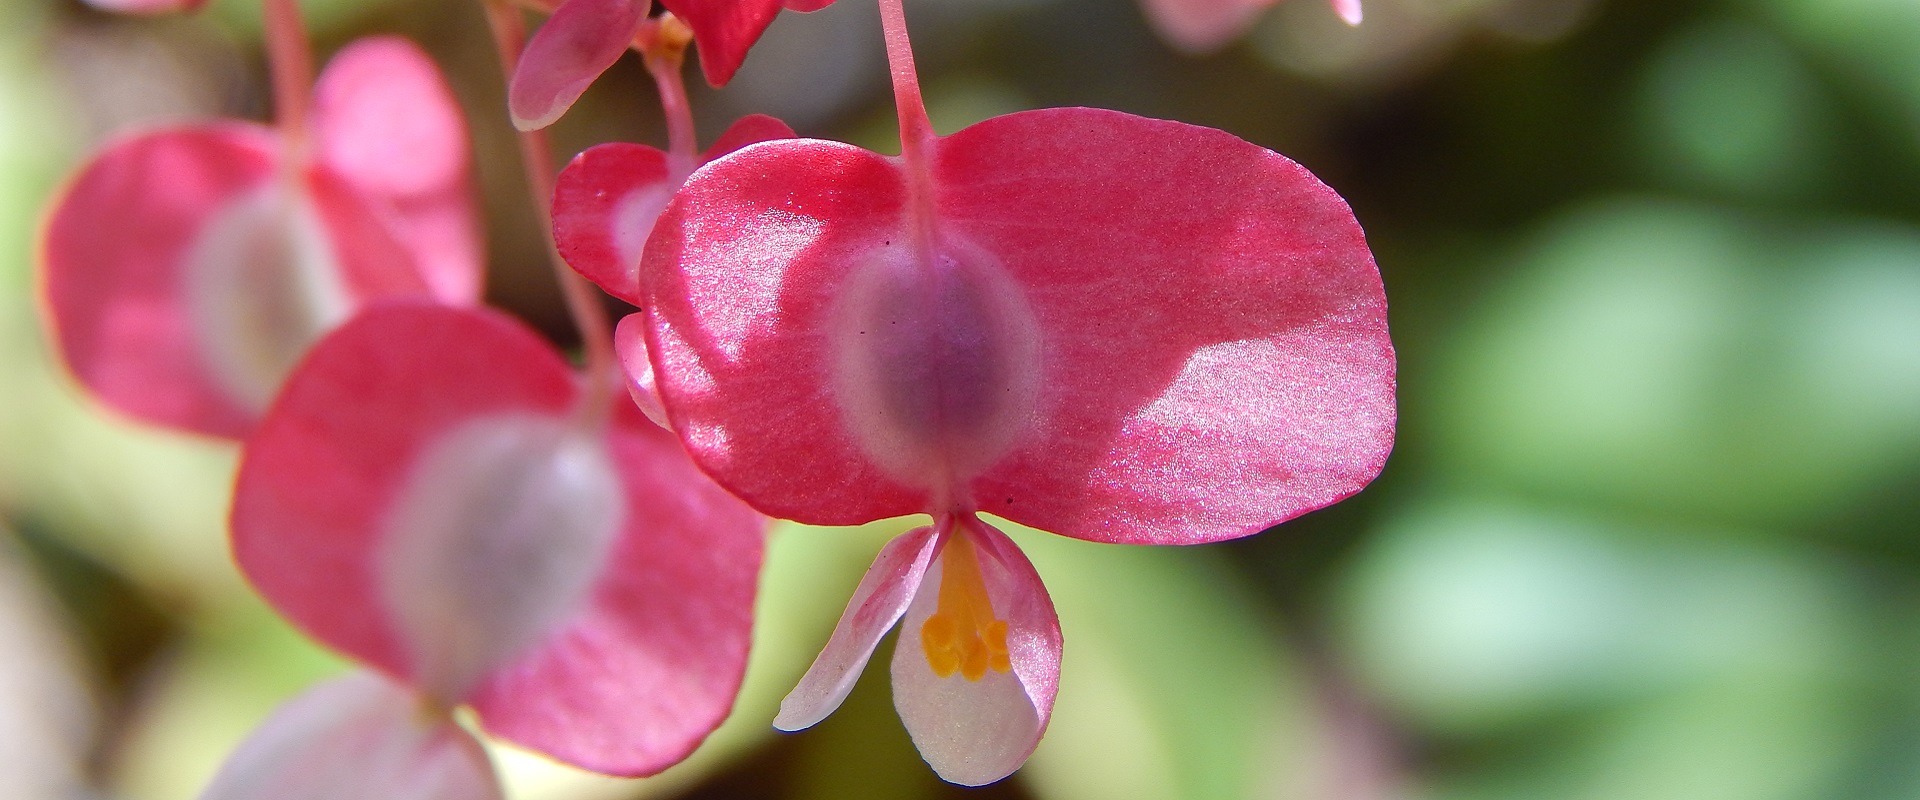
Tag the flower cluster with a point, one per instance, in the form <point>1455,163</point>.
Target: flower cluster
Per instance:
<point>1112,328</point>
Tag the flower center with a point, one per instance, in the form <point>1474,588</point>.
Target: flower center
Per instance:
<point>962,635</point>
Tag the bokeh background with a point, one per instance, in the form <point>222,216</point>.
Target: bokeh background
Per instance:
<point>1651,531</point>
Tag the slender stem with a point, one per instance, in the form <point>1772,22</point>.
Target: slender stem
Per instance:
<point>583,302</point>
<point>916,131</point>
<point>290,59</point>
<point>668,76</point>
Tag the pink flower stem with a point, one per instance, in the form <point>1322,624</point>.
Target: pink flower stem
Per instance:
<point>916,131</point>
<point>290,59</point>
<point>583,302</point>
<point>664,63</point>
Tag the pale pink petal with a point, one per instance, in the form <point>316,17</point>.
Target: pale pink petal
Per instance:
<point>383,436</point>
<point>630,341</point>
<point>184,274</point>
<point>604,205</point>
<point>1203,26</point>
<point>581,40</point>
<point>1348,10</point>
<point>883,595</point>
<point>385,120</point>
<point>352,738</point>
<point>975,732</point>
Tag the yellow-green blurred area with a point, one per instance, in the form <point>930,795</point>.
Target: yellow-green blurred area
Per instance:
<point>1651,531</point>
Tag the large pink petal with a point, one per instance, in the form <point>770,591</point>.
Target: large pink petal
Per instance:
<point>386,121</point>
<point>185,273</point>
<point>356,737</point>
<point>653,662</point>
<point>1122,329</point>
<point>975,732</point>
<point>604,205</point>
<point>884,592</point>
<point>581,40</point>
<point>724,30</point>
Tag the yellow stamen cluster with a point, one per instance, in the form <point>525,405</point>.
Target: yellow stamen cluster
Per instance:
<point>962,635</point>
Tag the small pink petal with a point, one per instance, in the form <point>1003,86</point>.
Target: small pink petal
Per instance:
<point>386,121</point>
<point>630,341</point>
<point>356,737</point>
<point>975,732</point>
<point>604,205</point>
<point>1203,26</point>
<point>724,30</point>
<point>805,6</point>
<point>581,40</point>
<point>1348,10</point>
<point>750,129</point>
<point>883,595</point>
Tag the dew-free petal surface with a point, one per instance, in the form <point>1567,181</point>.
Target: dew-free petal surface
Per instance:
<point>1124,330</point>
<point>604,205</point>
<point>630,341</point>
<point>883,595</point>
<point>975,732</point>
<point>353,737</point>
<point>386,121</point>
<point>724,30</point>
<point>581,40</point>
<point>748,130</point>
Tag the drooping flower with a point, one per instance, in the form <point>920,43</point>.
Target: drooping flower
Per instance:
<point>185,270</point>
<point>1202,26</point>
<point>437,494</point>
<point>584,37</point>
<point>1113,328</point>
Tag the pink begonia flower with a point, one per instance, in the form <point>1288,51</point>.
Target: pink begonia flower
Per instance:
<point>186,269</point>
<point>1202,26</point>
<point>439,495</point>
<point>1113,328</point>
<point>584,37</point>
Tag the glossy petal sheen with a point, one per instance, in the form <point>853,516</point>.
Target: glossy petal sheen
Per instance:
<point>581,40</point>
<point>884,592</point>
<point>183,279</point>
<point>386,121</point>
<point>630,341</point>
<point>356,737</point>
<point>417,433</point>
<point>1122,329</point>
<point>606,200</point>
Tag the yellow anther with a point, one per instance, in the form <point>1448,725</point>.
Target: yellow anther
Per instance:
<point>962,635</point>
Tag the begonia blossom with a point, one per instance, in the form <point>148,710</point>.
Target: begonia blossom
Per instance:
<point>186,269</point>
<point>437,494</point>
<point>1201,26</point>
<point>1113,328</point>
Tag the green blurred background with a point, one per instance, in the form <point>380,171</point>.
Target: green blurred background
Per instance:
<point>1651,532</point>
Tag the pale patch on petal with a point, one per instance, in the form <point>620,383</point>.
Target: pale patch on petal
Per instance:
<point>884,592</point>
<point>977,731</point>
<point>356,737</point>
<point>262,282</point>
<point>494,541</point>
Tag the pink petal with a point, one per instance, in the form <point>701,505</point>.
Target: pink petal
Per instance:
<point>750,129</point>
<point>805,6</point>
<point>724,30</point>
<point>604,205</point>
<point>183,278</point>
<point>356,737</point>
<point>386,121</point>
<point>975,732</point>
<point>1348,10</point>
<point>630,341</point>
<point>1138,331</point>
<point>366,463</point>
<point>884,592</point>
<point>1203,26</point>
<point>581,40</point>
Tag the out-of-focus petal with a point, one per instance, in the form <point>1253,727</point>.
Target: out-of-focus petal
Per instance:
<point>884,594</point>
<point>604,205</point>
<point>1348,10</point>
<point>581,40</point>
<point>184,273</point>
<point>724,30</point>
<point>630,341</point>
<point>148,6</point>
<point>414,428</point>
<point>386,121</point>
<point>977,731</point>
<point>1203,26</point>
<point>356,737</point>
